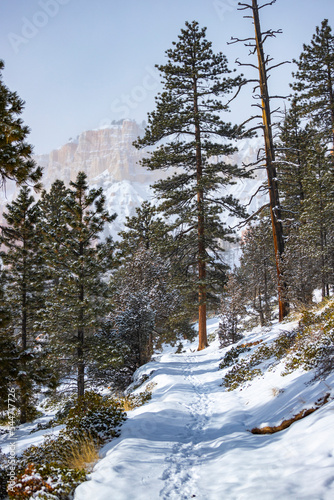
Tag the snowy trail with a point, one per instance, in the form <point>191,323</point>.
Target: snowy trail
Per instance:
<point>158,455</point>
<point>192,439</point>
<point>181,476</point>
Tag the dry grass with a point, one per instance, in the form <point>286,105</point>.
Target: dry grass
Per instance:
<point>83,454</point>
<point>276,391</point>
<point>128,403</point>
<point>132,401</point>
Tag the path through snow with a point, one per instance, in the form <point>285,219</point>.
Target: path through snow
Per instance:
<point>192,439</point>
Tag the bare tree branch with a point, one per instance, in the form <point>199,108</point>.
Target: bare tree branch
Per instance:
<point>266,4</point>
<point>279,64</point>
<point>251,217</point>
<point>235,40</point>
<point>244,6</point>
<point>246,64</point>
<point>260,188</point>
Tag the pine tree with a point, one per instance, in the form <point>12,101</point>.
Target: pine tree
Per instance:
<point>15,153</point>
<point>314,83</point>
<point>77,300</point>
<point>232,310</point>
<point>24,293</point>
<point>318,212</point>
<point>257,269</point>
<point>9,352</point>
<point>295,156</point>
<point>144,302</point>
<point>192,137</point>
<point>292,160</point>
<point>144,229</point>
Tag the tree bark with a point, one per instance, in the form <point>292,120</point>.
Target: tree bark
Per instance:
<point>275,210</point>
<point>202,334</point>
<point>80,349</point>
<point>24,395</point>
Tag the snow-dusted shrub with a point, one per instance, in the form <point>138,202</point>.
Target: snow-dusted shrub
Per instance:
<point>95,415</point>
<point>245,370</point>
<point>314,345</point>
<point>132,401</point>
<point>276,350</point>
<point>239,374</point>
<point>232,356</point>
<point>54,449</point>
<point>46,482</point>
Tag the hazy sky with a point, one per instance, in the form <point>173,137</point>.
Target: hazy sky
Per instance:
<point>78,64</point>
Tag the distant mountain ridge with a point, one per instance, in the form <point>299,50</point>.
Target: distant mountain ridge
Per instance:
<point>110,160</point>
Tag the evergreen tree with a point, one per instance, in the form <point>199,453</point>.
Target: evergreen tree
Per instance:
<point>192,137</point>
<point>148,231</point>
<point>256,273</point>
<point>292,160</point>
<point>77,300</point>
<point>314,84</point>
<point>301,267</point>
<point>23,294</point>
<point>145,229</point>
<point>15,153</point>
<point>300,190</point>
<point>144,303</point>
<point>318,213</point>
<point>9,352</point>
<point>232,310</point>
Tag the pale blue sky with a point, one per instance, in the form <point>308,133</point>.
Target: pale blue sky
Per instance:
<point>79,64</point>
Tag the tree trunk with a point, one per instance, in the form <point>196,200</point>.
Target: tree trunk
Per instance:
<point>202,335</point>
<point>275,210</point>
<point>331,99</point>
<point>80,349</point>
<point>24,395</point>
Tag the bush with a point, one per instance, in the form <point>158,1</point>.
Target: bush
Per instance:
<point>90,421</point>
<point>95,415</point>
<point>54,449</point>
<point>232,356</point>
<point>240,374</point>
<point>314,346</point>
<point>245,369</point>
<point>132,401</point>
<point>46,482</point>
<point>92,414</point>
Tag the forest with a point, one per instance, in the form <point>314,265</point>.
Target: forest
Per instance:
<point>80,312</point>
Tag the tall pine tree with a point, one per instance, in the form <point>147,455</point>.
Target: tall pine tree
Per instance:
<point>77,299</point>
<point>23,293</point>
<point>314,85</point>
<point>15,153</point>
<point>191,135</point>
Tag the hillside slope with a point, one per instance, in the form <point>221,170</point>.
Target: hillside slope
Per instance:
<point>193,439</point>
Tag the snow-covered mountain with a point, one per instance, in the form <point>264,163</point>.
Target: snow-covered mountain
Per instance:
<point>110,160</point>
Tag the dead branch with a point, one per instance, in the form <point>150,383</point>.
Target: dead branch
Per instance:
<point>279,64</point>
<point>266,4</point>
<point>260,188</point>
<point>246,64</point>
<point>235,40</point>
<point>244,6</point>
<point>251,217</point>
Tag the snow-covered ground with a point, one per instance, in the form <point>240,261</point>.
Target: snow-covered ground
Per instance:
<point>193,439</point>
